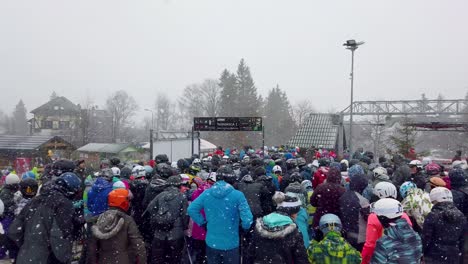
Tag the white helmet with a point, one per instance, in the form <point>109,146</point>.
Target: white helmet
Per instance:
<point>174,164</point>
<point>277,168</point>
<point>211,176</point>
<point>380,171</point>
<point>387,207</point>
<point>385,190</point>
<point>115,171</point>
<point>316,163</point>
<point>196,162</point>
<point>225,157</point>
<point>139,171</point>
<point>441,194</point>
<point>416,163</point>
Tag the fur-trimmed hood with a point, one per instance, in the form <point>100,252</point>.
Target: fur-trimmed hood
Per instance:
<point>275,226</point>
<point>108,224</point>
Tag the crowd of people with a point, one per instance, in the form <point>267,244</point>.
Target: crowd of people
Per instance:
<point>246,207</point>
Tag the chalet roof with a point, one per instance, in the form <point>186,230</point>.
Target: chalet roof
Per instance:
<point>58,105</point>
<point>13,142</point>
<point>319,129</point>
<point>112,148</point>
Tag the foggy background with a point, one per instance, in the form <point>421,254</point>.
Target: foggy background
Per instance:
<point>93,48</point>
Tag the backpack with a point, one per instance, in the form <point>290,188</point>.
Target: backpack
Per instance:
<point>167,212</point>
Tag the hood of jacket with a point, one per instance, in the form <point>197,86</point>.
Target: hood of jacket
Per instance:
<point>221,189</point>
<point>358,183</point>
<point>275,226</point>
<point>101,184</point>
<point>448,211</point>
<point>108,224</point>
<point>334,176</point>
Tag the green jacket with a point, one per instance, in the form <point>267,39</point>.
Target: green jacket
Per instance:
<point>333,249</point>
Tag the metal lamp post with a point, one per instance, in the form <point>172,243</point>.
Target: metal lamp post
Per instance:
<point>151,132</point>
<point>352,45</point>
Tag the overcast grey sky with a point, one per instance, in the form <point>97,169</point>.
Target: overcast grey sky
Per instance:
<point>94,47</point>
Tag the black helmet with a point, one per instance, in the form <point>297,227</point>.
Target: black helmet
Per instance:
<point>291,164</point>
<point>125,173</point>
<point>114,162</point>
<point>182,164</point>
<point>164,170</point>
<point>69,183</point>
<point>161,158</point>
<point>29,187</point>
<point>301,162</point>
<point>296,177</point>
<point>323,162</point>
<point>225,173</point>
<point>62,166</point>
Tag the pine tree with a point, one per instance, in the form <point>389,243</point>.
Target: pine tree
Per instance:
<point>278,122</point>
<point>20,122</point>
<point>404,138</point>
<point>229,94</point>
<point>248,100</point>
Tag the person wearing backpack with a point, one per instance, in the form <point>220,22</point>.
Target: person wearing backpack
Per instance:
<point>115,237</point>
<point>168,218</point>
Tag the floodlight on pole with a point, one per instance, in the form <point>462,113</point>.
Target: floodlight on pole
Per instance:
<point>351,45</point>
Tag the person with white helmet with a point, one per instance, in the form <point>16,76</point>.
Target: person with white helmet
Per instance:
<point>333,248</point>
<point>384,190</point>
<point>417,176</point>
<point>400,244</point>
<point>380,174</point>
<point>375,228</point>
<point>7,195</point>
<point>443,229</point>
<point>416,203</point>
<point>277,176</point>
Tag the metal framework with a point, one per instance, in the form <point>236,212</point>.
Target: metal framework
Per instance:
<point>409,107</point>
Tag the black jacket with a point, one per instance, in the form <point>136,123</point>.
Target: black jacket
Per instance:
<point>177,204</point>
<point>259,194</point>
<point>352,210</point>
<point>138,188</point>
<point>443,232</point>
<point>280,244</point>
<point>7,196</point>
<point>43,230</point>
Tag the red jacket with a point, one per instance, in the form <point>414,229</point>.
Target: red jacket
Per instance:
<point>319,176</point>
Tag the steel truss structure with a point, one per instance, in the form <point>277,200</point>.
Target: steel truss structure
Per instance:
<point>409,107</point>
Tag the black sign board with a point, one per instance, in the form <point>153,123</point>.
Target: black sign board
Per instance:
<point>227,123</point>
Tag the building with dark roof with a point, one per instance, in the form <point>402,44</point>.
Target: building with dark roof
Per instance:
<point>37,149</point>
<point>58,117</point>
<point>318,130</point>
